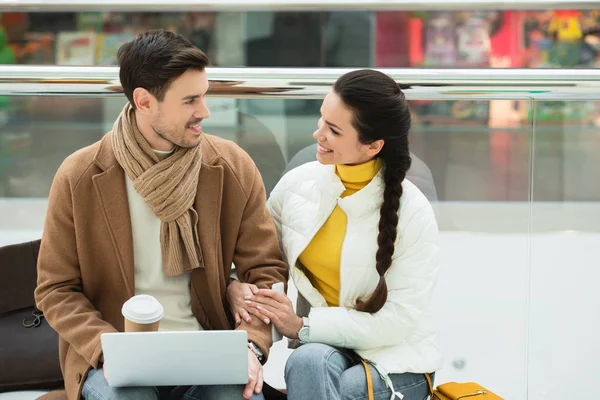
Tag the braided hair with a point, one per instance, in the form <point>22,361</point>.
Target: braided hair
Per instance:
<point>380,113</point>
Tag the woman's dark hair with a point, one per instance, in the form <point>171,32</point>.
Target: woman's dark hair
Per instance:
<point>154,59</point>
<point>380,113</point>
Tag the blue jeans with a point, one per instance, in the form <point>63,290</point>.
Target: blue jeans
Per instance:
<point>96,388</point>
<point>318,371</point>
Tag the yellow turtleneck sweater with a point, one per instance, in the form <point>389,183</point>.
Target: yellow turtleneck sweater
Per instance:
<point>321,258</point>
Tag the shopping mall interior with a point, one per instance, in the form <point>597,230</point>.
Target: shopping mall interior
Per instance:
<point>505,105</point>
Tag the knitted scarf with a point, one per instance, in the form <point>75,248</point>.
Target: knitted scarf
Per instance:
<point>167,186</point>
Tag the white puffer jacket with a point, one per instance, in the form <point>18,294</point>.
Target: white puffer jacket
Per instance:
<point>400,337</point>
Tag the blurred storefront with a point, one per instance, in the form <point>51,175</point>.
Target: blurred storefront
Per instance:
<point>379,39</point>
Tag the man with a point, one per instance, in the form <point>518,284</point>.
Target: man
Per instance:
<point>155,207</point>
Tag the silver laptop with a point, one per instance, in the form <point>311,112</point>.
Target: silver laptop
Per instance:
<point>167,358</point>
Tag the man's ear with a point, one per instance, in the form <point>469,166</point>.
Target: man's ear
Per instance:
<point>143,100</point>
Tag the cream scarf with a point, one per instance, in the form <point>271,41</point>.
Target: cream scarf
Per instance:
<point>167,186</point>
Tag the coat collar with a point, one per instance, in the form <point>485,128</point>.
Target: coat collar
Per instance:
<point>360,203</point>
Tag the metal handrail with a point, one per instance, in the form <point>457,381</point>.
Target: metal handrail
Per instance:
<point>289,5</point>
<point>289,83</point>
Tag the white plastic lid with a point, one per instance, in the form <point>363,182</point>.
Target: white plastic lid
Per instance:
<point>143,309</point>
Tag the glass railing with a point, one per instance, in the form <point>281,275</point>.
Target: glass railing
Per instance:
<point>313,33</point>
<point>509,158</point>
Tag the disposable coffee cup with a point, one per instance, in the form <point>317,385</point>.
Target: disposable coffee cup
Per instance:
<point>142,313</point>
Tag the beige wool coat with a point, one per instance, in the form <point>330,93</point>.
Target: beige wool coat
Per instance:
<point>86,266</point>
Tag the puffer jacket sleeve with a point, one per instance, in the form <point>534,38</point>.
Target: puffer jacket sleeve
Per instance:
<point>410,281</point>
<point>275,205</point>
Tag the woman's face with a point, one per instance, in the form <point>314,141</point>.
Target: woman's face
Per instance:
<point>337,138</point>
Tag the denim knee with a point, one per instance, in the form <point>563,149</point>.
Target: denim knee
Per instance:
<point>219,392</point>
<point>129,393</point>
<point>308,356</point>
<point>96,388</point>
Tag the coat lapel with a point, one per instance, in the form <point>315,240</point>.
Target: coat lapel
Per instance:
<point>112,196</point>
<point>209,282</point>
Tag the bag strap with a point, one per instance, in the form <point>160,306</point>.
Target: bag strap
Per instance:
<point>430,384</point>
<point>369,380</point>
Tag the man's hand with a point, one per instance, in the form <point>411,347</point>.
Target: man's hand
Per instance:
<point>255,376</point>
<point>237,293</point>
<point>271,306</point>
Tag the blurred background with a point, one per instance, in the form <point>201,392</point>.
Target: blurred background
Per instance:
<point>514,180</point>
<point>380,39</point>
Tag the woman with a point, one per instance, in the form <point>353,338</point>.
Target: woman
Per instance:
<point>362,243</point>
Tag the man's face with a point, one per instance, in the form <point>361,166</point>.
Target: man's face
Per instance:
<point>178,116</point>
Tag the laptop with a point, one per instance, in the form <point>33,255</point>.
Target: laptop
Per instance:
<point>169,358</point>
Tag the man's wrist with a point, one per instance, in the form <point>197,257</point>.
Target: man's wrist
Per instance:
<point>233,276</point>
<point>257,352</point>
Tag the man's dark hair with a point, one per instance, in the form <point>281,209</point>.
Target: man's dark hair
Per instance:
<point>154,59</point>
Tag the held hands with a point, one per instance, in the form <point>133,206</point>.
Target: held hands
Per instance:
<point>255,376</point>
<point>236,296</point>
<point>271,306</point>
<point>267,305</point>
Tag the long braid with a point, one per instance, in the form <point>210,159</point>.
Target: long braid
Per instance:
<point>380,113</point>
<point>394,173</point>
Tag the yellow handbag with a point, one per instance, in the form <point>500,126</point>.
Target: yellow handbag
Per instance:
<point>461,391</point>
<point>447,391</point>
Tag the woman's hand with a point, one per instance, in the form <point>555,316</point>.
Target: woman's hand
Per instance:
<point>271,306</point>
<point>237,293</point>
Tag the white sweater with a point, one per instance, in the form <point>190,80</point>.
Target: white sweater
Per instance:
<point>173,292</point>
